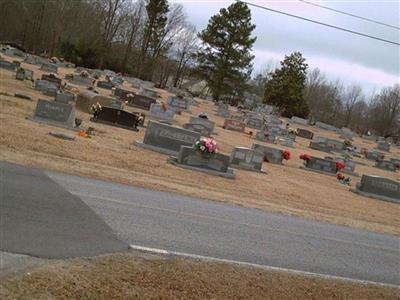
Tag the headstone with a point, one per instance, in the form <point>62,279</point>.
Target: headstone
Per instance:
<point>158,112</point>
<point>271,155</point>
<point>266,136</point>
<point>122,94</point>
<point>105,85</point>
<point>321,165</point>
<point>55,113</point>
<point>321,146</point>
<point>213,164</point>
<point>20,75</point>
<point>350,166</point>
<point>167,139</point>
<point>386,165</point>
<point>179,104</point>
<point>206,122</point>
<point>379,188</point>
<point>383,145</point>
<point>48,67</point>
<point>298,120</point>
<point>116,117</point>
<point>234,125</point>
<point>7,65</point>
<point>141,101</point>
<point>80,80</point>
<point>304,133</point>
<point>287,142</point>
<point>374,155</point>
<point>346,133</point>
<point>255,123</point>
<point>325,126</point>
<point>86,99</point>
<point>150,93</point>
<point>46,87</point>
<point>247,159</point>
<point>200,128</point>
<point>53,79</point>
<point>65,97</point>
<point>28,74</point>
<point>396,161</point>
<point>223,113</point>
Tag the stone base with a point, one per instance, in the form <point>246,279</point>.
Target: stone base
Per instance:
<point>374,196</point>
<point>53,123</point>
<point>317,171</point>
<point>154,148</point>
<point>229,174</point>
<point>113,124</point>
<point>248,169</point>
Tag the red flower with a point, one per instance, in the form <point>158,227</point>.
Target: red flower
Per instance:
<point>339,176</point>
<point>286,155</point>
<point>306,157</point>
<point>340,165</point>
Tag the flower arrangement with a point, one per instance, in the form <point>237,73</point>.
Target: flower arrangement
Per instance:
<point>305,157</point>
<point>206,145</point>
<point>340,165</point>
<point>286,155</point>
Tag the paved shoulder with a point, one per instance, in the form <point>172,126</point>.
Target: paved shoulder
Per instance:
<point>40,218</point>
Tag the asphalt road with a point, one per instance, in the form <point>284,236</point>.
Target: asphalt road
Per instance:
<point>167,221</point>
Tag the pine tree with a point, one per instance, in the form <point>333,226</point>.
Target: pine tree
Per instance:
<point>285,89</point>
<point>225,59</point>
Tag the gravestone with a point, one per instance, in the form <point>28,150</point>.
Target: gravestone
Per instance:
<point>374,155</point>
<point>321,146</point>
<point>167,139</point>
<point>247,159</point>
<point>158,112</point>
<point>200,128</point>
<point>150,93</point>
<point>386,165</point>
<point>271,155</point>
<point>337,146</point>
<point>266,136</point>
<point>350,166</point>
<point>7,65</point>
<point>207,123</point>
<point>116,117</point>
<point>383,145</point>
<point>298,120</point>
<point>65,97</point>
<point>20,75</point>
<point>223,113</point>
<point>346,133</point>
<point>80,80</point>
<point>287,142</point>
<point>213,164</point>
<point>325,126</point>
<point>396,161</point>
<point>86,99</point>
<point>28,74</point>
<point>141,101</point>
<point>277,130</point>
<point>48,67</point>
<point>379,188</point>
<point>321,165</point>
<point>55,113</point>
<point>304,133</point>
<point>46,87</point>
<point>105,85</point>
<point>235,125</point>
<point>179,104</point>
<point>122,94</point>
<point>255,123</point>
<point>53,79</point>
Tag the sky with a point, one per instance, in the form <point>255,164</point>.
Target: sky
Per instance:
<point>340,55</point>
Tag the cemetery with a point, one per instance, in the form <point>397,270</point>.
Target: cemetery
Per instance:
<point>162,156</point>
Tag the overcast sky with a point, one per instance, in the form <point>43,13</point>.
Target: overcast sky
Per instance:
<point>351,58</point>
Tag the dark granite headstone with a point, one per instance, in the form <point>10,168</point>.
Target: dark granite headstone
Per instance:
<point>247,159</point>
<point>116,117</point>
<point>304,133</point>
<point>379,188</point>
<point>55,113</point>
<point>167,139</point>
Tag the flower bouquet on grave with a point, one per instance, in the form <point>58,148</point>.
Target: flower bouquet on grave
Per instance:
<point>305,157</point>
<point>286,155</point>
<point>340,166</point>
<point>342,179</point>
<point>206,146</point>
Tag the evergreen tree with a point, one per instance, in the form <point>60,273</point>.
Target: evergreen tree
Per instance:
<point>285,89</point>
<point>225,59</point>
<point>154,32</point>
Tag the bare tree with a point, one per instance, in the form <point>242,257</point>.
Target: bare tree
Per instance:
<point>351,98</point>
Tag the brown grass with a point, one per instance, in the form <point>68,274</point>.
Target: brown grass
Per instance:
<point>140,276</point>
<point>110,155</point>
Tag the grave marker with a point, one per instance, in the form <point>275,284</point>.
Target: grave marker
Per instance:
<point>383,145</point>
<point>266,136</point>
<point>247,159</point>
<point>167,139</point>
<point>86,99</point>
<point>117,117</point>
<point>200,128</point>
<point>7,65</point>
<point>105,85</point>
<point>298,120</point>
<point>141,101</point>
<point>205,122</point>
<point>321,146</point>
<point>235,125</point>
<point>379,188</point>
<point>320,165</point>
<point>48,67</point>
<point>271,155</point>
<point>158,112</point>
<point>179,104</point>
<point>304,133</point>
<point>386,165</point>
<point>55,113</point>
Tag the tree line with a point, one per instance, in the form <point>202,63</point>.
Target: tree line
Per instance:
<point>153,40</point>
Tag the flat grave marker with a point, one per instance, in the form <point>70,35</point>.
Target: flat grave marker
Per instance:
<point>141,101</point>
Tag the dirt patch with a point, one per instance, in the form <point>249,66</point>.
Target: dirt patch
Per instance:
<point>140,276</point>
<point>111,155</point>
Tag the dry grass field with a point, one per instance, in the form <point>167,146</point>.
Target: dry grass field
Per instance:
<point>111,155</point>
<point>143,276</point>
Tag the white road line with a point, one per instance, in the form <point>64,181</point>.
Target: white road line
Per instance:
<point>264,267</point>
<point>169,210</point>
